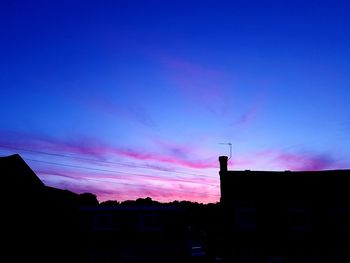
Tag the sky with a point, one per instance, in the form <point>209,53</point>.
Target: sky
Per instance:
<point>133,99</point>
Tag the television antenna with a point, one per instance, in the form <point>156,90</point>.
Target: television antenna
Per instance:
<point>230,145</point>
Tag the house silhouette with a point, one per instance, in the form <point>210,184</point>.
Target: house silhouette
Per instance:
<point>39,221</point>
<point>46,224</point>
<point>16,173</point>
<point>285,216</point>
<point>266,217</point>
<point>24,185</point>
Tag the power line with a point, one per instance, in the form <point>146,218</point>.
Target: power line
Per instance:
<point>112,171</point>
<point>100,161</point>
<point>118,172</point>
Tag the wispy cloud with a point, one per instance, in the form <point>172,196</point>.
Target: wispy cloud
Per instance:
<point>108,187</point>
<point>253,111</point>
<point>163,181</point>
<point>306,161</point>
<point>109,105</point>
<point>199,84</point>
<point>100,150</point>
<point>124,177</point>
<point>117,110</point>
<point>107,180</point>
<point>247,116</point>
<point>170,155</point>
<point>276,159</point>
<point>149,156</point>
<point>179,150</point>
<point>300,160</point>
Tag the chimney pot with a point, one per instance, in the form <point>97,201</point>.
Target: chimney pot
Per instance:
<point>223,163</point>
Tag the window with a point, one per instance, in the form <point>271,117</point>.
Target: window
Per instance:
<point>246,255</point>
<point>115,222</point>
<point>103,222</point>
<point>340,219</point>
<point>101,257</point>
<point>298,216</point>
<point>274,259</point>
<point>245,215</point>
<point>149,222</point>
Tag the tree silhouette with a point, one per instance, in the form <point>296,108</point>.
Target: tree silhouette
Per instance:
<point>88,199</point>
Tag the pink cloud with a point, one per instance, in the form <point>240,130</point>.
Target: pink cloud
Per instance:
<point>306,161</point>
<point>165,194</point>
<point>100,150</point>
<point>274,160</point>
<point>107,188</point>
<point>300,161</point>
<point>161,184</point>
<point>123,183</point>
<point>174,156</point>
<point>175,149</point>
<point>144,156</point>
<point>127,177</point>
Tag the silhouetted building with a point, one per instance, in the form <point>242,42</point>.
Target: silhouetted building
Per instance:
<point>134,234</point>
<point>35,214</point>
<point>45,224</point>
<point>292,217</point>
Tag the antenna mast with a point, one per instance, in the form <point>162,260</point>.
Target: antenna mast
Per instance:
<point>230,145</point>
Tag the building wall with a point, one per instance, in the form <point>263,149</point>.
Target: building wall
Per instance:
<point>134,234</point>
<point>286,216</point>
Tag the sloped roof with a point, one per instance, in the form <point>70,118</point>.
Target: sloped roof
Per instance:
<point>15,173</point>
<point>22,185</point>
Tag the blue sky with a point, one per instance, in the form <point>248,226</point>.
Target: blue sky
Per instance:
<point>153,87</point>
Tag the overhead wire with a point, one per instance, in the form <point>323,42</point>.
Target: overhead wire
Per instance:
<point>103,161</point>
<point>114,172</point>
<point>111,171</point>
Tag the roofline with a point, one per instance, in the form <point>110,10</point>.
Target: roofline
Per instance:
<point>287,171</point>
<point>130,208</point>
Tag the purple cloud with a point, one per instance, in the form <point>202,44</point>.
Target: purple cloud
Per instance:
<point>300,161</point>
<point>109,105</point>
<point>165,182</point>
<point>252,113</point>
<point>69,172</point>
<point>200,84</point>
<point>115,110</point>
<point>288,160</point>
<point>107,188</point>
<point>247,117</point>
<point>306,161</point>
<point>174,155</point>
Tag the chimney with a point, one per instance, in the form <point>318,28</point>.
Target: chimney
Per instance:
<point>223,163</point>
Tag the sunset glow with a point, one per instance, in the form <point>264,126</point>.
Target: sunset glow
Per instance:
<point>131,99</point>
